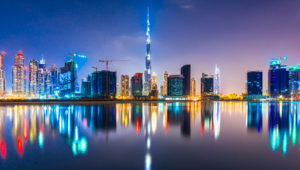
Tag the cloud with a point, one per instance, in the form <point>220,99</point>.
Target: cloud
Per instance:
<point>184,4</point>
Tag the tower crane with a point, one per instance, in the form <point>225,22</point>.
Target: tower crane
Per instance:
<point>109,61</point>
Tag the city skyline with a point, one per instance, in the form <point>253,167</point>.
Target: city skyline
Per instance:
<point>239,46</point>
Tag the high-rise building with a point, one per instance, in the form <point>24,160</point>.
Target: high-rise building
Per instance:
<point>148,70</point>
<point>175,85</point>
<point>207,84</point>
<point>186,72</point>
<point>278,79</point>
<point>2,75</point>
<point>41,77</point>
<point>54,87</point>
<point>32,76</point>
<point>294,81</point>
<point>165,86</point>
<point>19,75</point>
<point>154,87</point>
<point>137,85</point>
<point>254,83</point>
<point>104,84</point>
<point>217,81</point>
<point>66,79</point>
<point>86,87</point>
<point>124,85</point>
<point>193,87</point>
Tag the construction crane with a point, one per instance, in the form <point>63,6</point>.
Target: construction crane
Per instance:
<point>96,68</point>
<point>109,61</point>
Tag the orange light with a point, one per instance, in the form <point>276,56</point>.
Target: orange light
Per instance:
<point>137,124</point>
<point>25,130</point>
<point>201,130</point>
<point>20,145</point>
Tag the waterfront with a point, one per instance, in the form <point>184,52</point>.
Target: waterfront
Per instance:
<point>178,135</point>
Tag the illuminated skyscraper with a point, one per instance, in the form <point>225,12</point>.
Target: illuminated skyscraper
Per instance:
<point>193,87</point>
<point>54,87</point>
<point>294,81</point>
<point>66,79</point>
<point>278,79</point>
<point>137,84</point>
<point>41,77</point>
<point>148,71</point>
<point>186,72</point>
<point>207,84</point>
<point>217,81</point>
<point>32,76</point>
<point>176,85</point>
<point>125,85</point>
<point>19,75</point>
<point>254,83</point>
<point>165,86</point>
<point>154,87</point>
<point>2,75</point>
<point>104,84</point>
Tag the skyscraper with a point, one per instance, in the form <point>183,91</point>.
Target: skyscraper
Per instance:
<point>41,77</point>
<point>2,75</point>
<point>86,87</point>
<point>124,85</point>
<point>186,72</point>
<point>104,84</point>
<point>176,85</point>
<point>294,81</point>
<point>54,88</point>
<point>193,87</point>
<point>254,83</point>
<point>154,87</point>
<point>165,86</point>
<point>137,84</point>
<point>19,75</point>
<point>278,79</point>
<point>217,81</point>
<point>207,84</point>
<point>148,71</point>
<point>66,79</point>
<point>32,76</point>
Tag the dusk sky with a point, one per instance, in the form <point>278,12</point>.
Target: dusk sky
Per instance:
<point>238,35</point>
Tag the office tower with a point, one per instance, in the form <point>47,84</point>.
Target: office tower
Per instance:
<point>207,84</point>
<point>19,75</point>
<point>2,75</point>
<point>32,76</point>
<point>86,87</point>
<point>294,81</point>
<point>165,86</point>
<point>66,80</point>
<point>41,77</point>
<point>154,87</point>
<point>104,84</point>
<point>54,87</point>
<point>254,83</point>
<point>137,85</point>
<point>217,81</point>
<point>175,86</point>
<point>148,70</point>
<point>161,90</point>
<point>124,85</point>
<point>278,79</point>
<point>186,72</point>
<point>193,87</point>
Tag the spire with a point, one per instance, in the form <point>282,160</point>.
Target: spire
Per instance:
<point>148,70</point>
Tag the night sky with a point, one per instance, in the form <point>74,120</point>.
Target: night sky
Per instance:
<point>238,35</point>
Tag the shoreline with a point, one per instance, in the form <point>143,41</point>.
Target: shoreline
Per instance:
<point>93,102</point>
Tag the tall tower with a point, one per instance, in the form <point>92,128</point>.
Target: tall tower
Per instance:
<point>19,75</point>
<point>2,76</point>
<point>148,71</point>
<point>217,81</point>
<point>32,76</point>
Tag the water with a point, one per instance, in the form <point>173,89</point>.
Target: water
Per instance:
<point>207,135</point>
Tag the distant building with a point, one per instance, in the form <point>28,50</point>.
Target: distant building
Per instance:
<point>193,87</point>
<point>41,77</point>
<point>207,84</point>
<point>154,87</point>
<point>161,90</point>
<point>54,87</point>
<point>137,85</point>
<point>254,84</point>
<point>278,79</point>
<point>175,86</point>
<point>19,75</point>
<point>104,84</point>
<point>66,79</point>
<point>165,84</point>
<point>86,87</point>
<point>186,73</point>
<point>32,76</point>
<point>2,75</point>
<point>217,81</point>
<point>124,85</point>
<point>294,81</point>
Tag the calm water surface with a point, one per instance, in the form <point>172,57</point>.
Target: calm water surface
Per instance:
<point>199,135</point>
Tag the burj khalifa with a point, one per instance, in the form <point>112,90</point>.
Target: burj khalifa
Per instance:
<point>148,70</point>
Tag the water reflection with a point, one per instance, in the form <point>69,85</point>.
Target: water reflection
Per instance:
<point>30,126</point>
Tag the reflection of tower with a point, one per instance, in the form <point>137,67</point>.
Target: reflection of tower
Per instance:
<point>254,116</point>
<point>217,119</point>
<point>148,70</point>
<point>207,122</point>
<point>2,123</point>
<point>147,117</point>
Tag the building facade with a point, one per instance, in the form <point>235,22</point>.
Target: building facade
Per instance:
<point>186,73</point>
<point>32,77</point>
<point>217,81</point>
<point>254,83</point>
<point>19,75</point>
<point>165,84</point>
<point>66,80</point>
<point>104,84</point>
<point>2,74</point>
<point>175,86</point>
<point>193,87</point>
<point>54,87</point>
<point>124,85</point>
<point>294,81</point>
<point>86,87</point>
<point>207,84</point>
<point>137,85</point>
<point>278,80</point>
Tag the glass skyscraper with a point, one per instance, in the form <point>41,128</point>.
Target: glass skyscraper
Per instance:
<point>2,75</point>
<point>19,75</point>
<point>278,79</point>
<point>175,86</point>
<point>32,77</point>
<point>104,84</point>
<point>67,78</point>
<point>294,81</point>
<point>207,84</point>
<point>254,83</point>
<point>186,73</point>
<point>148,70</point>
<point>137,85</point>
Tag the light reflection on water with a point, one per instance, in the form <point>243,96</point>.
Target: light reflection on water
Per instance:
<point>26,128</point>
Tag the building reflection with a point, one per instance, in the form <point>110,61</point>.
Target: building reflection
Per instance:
<point>254,116</point>
<point>210,118</point>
